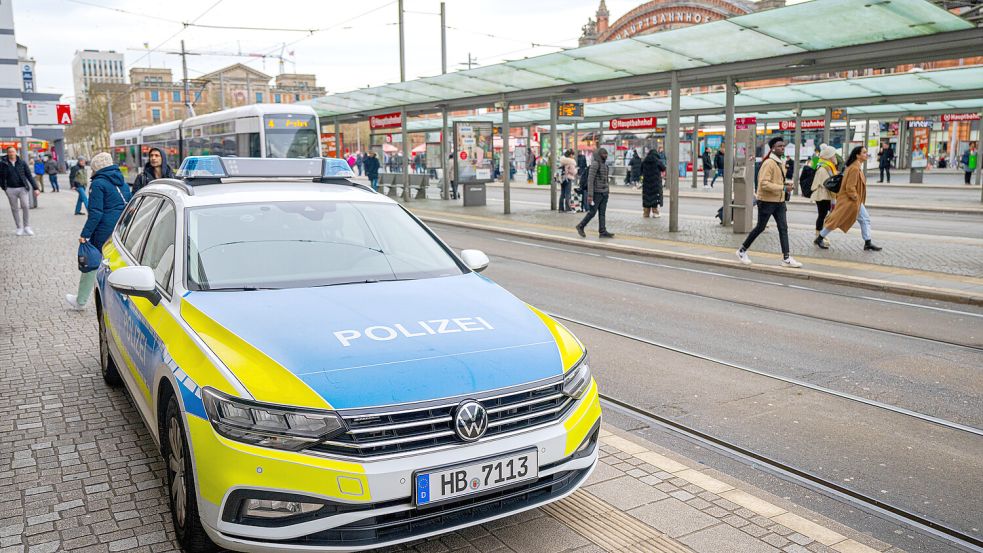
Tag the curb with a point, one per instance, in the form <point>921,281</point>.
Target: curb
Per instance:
<point>913,290</point>
<point>887,207</point>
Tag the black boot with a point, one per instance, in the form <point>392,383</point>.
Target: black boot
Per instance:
<point>868,245</point>
<point>819,242</point>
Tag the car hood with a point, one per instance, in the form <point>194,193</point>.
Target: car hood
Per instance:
<point>364,345</point>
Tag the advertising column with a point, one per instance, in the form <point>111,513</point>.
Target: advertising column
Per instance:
<point>919,149</point>
<point>473,159</point>
<point>744,156</point>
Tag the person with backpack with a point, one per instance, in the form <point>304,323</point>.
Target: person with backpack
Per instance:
<point>39,172</point>
<point>597,195</point>
<point>772,194</point>
<point>78,179</point>
<point>823,197</point>
<point>718,163</point>
<point>155,168</point>
<point>850,201</point>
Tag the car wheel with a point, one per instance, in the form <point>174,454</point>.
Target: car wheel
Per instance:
<point>109,371</point>
<point>181,484</point>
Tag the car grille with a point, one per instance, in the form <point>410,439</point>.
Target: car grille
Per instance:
<point>406,524</point>
<point>373,434</point>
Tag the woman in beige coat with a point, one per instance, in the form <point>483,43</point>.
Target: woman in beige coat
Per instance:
<point>850,202</point>
<point>820,194</point>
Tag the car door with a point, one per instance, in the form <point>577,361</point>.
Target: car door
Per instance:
<point>130,328</point>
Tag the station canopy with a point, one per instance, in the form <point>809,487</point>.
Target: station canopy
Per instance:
<point>864,93</point>
<point>810,27</point>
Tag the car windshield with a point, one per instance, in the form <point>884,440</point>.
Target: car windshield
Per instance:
<point>303,244</point>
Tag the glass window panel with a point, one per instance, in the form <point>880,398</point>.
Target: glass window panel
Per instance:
<point>568,69</point>
<point>513,77</point>
<point>634,56</point>
<point>742,44</point>
<point>956,79</point>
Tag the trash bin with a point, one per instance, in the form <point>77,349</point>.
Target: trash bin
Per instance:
<point>543,175</point>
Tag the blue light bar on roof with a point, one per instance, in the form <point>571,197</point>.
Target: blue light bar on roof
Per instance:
<point>256,167</point>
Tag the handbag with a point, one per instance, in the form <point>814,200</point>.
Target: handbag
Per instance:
<point>89,257</point>
<point>833,183</point>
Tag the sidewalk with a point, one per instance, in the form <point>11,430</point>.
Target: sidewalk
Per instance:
<point>946,269</point>
<point>79,472</point>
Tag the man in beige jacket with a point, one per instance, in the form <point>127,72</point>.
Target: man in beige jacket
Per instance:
<point>772,194</point>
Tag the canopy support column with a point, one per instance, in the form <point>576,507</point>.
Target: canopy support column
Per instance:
<point>339,151</point>
<point>695,148</point>
<point>672,172</point>
<point>848,140</point>
<point>506,173</point>
<point>866,138</point>
<point>728,146</point>
<point>797,162</point>
<point>979,152</point>
<point>552,158</point>
<point>445,193</point>
<point>827,124</point>
<point>405,165</point>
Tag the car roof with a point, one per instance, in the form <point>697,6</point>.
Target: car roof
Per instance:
<point>250,190</point>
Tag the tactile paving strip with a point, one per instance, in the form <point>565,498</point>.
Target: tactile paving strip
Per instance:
<point>609,528</point>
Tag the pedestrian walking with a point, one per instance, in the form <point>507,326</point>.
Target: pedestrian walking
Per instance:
<point>968,163</point>
<point>634,169</point>
<point>19,185</point>
<point>78,179</point>
<point>155,168</point>
<point>652,169</point>
<point>824,198</point>
<point>107,199</point>
<point>371,163</point>
<point>884,159</point>
<point>39,172</point>
<point>772,194</point>
<point>850,202</point>
<point>568,173</point>
<point>582,171</point>
<point>51,169</point>
<point>707,167</point>
<point>597,194</point>
<point>360,162</point>
<point>718,164</point>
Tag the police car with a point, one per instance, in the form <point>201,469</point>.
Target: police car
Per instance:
<point>322,372</point>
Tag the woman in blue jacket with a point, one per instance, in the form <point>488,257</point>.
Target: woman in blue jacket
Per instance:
<point>108,194</point>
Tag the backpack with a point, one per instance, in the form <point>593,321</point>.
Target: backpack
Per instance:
<point>833,183</point>
<point>72,174</point>
<point>806,177</point>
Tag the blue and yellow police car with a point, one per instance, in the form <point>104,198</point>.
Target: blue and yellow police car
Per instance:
<point>322,372</point>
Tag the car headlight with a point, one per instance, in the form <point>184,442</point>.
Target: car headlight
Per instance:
<point>577,379</point>
<point>269,425</point>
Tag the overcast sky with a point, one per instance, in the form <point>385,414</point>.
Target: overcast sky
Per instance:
<point>358,46</point>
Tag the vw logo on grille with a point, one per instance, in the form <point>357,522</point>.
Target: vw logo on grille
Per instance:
<point>470,420</point>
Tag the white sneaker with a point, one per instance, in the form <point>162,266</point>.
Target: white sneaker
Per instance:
<point>19,231</point>
<point>743,257</point>
<point>71,300</point>
<point>791,263</point>
<point>28,231</point>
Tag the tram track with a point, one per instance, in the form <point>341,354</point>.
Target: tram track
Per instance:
<point>756,305</point>
<point>866,502</point>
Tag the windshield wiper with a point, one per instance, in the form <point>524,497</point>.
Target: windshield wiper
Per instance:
<point>239,289</point>
<point>366,281</point>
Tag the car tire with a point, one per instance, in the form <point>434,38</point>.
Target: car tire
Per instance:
<point>181,483</point>
<point>110,373</point>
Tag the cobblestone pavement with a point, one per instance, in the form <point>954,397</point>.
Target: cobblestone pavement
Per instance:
<point>958,257</point>
<point>79,472</point>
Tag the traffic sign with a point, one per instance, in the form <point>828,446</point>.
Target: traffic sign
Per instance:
<point>463,156</point>
<point>64,113</point>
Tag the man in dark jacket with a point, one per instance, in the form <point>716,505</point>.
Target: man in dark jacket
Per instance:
<point>19,185</point>
<point>78,179</point>
<point>884,159</point>
<point>718,163</point>
<point>582,171</point>
<point>156,168</point>
<point>707,166</point>
<point>597,194</point>
<point>371,163</point>
<point>108,195</point>
<point>51,169</point>
<point>652,169</point>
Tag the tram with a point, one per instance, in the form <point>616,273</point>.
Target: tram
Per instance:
<point>257,130</point>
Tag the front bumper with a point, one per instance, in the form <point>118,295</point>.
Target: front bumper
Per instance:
<point>372,500</point>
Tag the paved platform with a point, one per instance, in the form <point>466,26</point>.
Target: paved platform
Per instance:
<point>79,472</point>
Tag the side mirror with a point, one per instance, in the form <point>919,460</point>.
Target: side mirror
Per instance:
<point>136,281</point>
<point>476,260</point>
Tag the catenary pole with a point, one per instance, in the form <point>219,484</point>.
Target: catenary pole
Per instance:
<point>402,117</point>
<point>552,158</point>
<point>506,174</point>
<point>672,172</point>
<point>797,162</point>
<point>979,152</point>
<point>189,109</point>
<point>338,146</point>
<point>866,138</point>
<point>444,182</point>
<point>827,125</point>
<point>728,147</point>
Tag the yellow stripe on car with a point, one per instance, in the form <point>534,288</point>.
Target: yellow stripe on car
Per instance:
<point>571,350</point>
<point>265,379</point>
<point>580,422</point>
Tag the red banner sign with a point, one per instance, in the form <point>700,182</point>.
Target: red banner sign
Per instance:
<point>63,112</point>
<point>632,123</point>
<point>947,117</point>
<point>742,123</point>
<point>806,124</point>
<point>385,121</point>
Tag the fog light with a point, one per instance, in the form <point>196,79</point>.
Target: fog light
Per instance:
<point>266,508</point>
